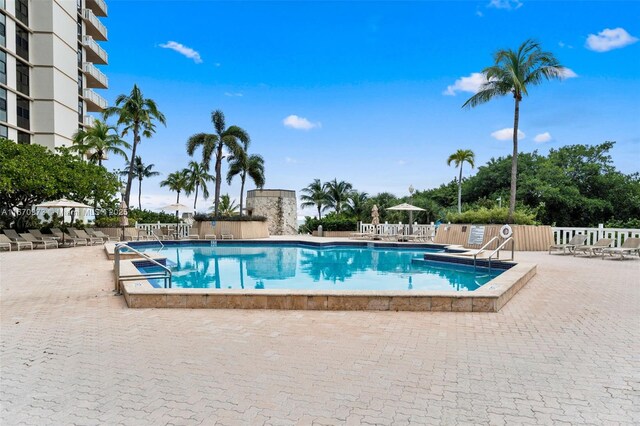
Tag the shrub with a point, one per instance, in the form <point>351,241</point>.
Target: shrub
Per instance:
<point>492,216</point>
<point>329,223</point>
<point>206,217</point>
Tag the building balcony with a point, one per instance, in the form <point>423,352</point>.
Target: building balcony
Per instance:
<point>95,102</point>
<point>99,7</point>
<point>94,27</point>
<point>94,53</point>
<point>95,77</point>
<point>87,121</point>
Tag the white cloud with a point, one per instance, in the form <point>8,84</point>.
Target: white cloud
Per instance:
<point>479,13</point>
<point>542,137</point>
<point>609,39</point>
<point>568,73</point>
<point>470,84</point>
<point>563,44</point>
<point>183,50</point>
<point>290,160</point>
<point>505,4</point>
<point>300,123</point>
<point>233,94</point>
<point>401,162</point>
<point>507,134</point>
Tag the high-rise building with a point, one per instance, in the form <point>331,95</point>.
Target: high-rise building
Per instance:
<point>48,55</point>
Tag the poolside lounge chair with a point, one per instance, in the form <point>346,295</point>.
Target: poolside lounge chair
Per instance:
<point>99,234</point>
<point>210,236</point>
<point>79,233</point>
<point>143,235</point>
<point>13,235</point>
<point>191,236</point>
<point>36,242</point>
<point>5,245</point>
<point>225,234</point>
<point>577,240</point>
<point>68,238</point>
<point>593,249</point>
<point>4,240</point>
<point>43,237</point>
<point>630,246</point>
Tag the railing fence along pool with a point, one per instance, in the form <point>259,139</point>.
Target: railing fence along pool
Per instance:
<point>182,229</point>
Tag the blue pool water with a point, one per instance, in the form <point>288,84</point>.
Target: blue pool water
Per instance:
<point>295,267</point>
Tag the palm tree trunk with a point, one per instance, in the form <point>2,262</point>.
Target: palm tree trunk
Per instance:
<point>460,189</point>
<point>136,139</point>
<point>140,194</point>
<point>319,214</point>
<point>218,177</point>
<point>514,161</point>
<point>243,177</point>
<point>196,199</point>
<point>177,202</point>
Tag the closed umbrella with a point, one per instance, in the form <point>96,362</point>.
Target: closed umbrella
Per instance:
<point>407,207</point>
<point>375,218</point>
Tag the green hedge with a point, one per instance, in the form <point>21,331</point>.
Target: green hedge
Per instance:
<point>492,216</point>
<point>205,217</point>
<point>331,223</point>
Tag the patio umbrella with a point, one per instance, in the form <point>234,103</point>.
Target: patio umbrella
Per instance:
<point>177,207</point>
<point>375,218</point>
<point>410,209</point>
<point>63,203</point>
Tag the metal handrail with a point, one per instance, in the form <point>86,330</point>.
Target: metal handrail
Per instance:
<point>482,249</point>
<point>497,250</point>
<point>116,266</point>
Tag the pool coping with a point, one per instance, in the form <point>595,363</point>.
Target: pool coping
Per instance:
<point>491,297</point>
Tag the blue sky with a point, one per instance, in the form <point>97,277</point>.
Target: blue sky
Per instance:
<point>371,92</point>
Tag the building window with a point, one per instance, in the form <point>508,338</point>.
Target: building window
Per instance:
<point>24,138</point>
<point>22,78</point>
<point>79,56</point>
<point>22,11</point>
<point>4,132</point>
<point>80,84</point>
<point>79,30</point>
<point>80,111</point>
<point>3,67</point>
<point>3,30</point>
<point>23,112</point>
<point>3,104</point>
<point>22,43</point>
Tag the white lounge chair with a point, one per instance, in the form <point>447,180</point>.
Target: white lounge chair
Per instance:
<point>42,243</point>
<point>630,246</point>
<point>18,244</point>
<point>577,240</point>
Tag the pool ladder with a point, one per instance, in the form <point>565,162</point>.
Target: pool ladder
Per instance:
<point>496,252</point>
<point>165,275</point>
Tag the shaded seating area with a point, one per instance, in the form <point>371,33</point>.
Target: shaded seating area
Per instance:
<point>67,238</point>
<point>39,243</point>
<point>6,242</point>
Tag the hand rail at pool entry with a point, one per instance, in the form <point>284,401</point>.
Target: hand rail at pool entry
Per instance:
<point>166,275</point>
<point>497,250</point>
<point>482,249</point>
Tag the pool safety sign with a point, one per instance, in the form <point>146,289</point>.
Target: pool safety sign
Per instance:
<point>476,235</point>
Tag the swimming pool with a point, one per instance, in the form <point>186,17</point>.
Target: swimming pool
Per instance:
<point>291,266</point>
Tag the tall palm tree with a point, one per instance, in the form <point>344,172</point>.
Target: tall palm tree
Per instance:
<point>99,140</point>
<point>513,72</point>
<point>459,158</point>
<point>338,193</point>
<point>141,171</point>
<point>178,182</point>
<point>227,206</point>
<point>243,164</point>
<point>314,195</point>
<point>198,177</point>
<point>229,137</point>
<point>138,115</point>
<point>358,205</point>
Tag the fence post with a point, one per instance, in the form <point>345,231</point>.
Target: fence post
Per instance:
<point>600,230</point>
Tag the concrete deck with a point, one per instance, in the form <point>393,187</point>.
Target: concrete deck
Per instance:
<point>564,350</point>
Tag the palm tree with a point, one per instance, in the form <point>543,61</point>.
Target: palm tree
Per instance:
<point>512,73</point>
<point>243,164</point>
<point>141,171</point>
<point>178,182</point>
<point>314,195</point>
<point>338,193</point>
<point>227,206</point>
<point>197,177</point>
<point>96,142</point>
<point>459,158</point>
<point>137,114</point>
<point>358,205</point>
<point>229,137</point>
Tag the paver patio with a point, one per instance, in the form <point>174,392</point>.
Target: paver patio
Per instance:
<point>564,350</point>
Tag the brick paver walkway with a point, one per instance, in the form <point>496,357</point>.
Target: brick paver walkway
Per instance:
<point>565,350</point>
